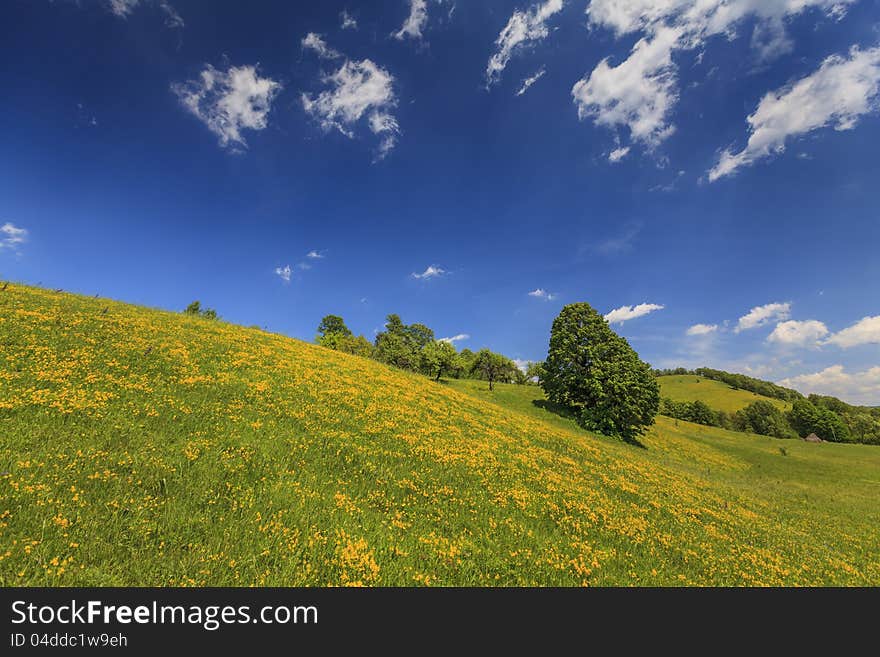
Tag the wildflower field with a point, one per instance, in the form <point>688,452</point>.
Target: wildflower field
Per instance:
<point>141,447</point>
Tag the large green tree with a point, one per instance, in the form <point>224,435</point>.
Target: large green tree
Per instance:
<point>594,372</point>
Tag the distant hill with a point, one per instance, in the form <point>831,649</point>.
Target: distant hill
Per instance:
<point>717,395</point>
<point>141,447</point>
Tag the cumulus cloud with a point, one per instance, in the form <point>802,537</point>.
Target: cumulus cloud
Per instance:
<point>12,236</point>
<point>528,82</point>
<point>316,43</point>
<point>230,101</point>
<point>637,93</point>
<point>523,29</point>
<point>455,338</point>
<point>347,21</point>
<point>840,91</point>
<point>761,315</point>
<point>640,93</point>
<point>855,388</point>
<point>284,273</point>
<point>626,313</point>
<point>541,293</point>
<point>357,90</point>
<point>414,24</point>
<point>864,331</point>
<point>431,271</point>
<point>702,329</point>
<point>798,333</point>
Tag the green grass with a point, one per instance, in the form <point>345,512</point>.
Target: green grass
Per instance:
<point>717,395</point>
<point>140,447</point>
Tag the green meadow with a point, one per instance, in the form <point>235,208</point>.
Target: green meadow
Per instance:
<point>717,395</point>
<point>142,447</point>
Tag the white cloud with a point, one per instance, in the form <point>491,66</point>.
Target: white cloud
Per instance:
<point>626,313</point>
<point>524,28</point>
<point>702,329</point>
<point>431,271</point>
<point>856,388</point>
<point>522,364</point>
<point>347,21</point>
<point>641,92</point>
<point>414,24</point>
<point>358,89</point>
<point>315,42</point>
<point>455,338</point>
<point>840,91</point>
<point>761,315</point>
<point>864,331</point>
<point>798,333</point>
<point>12,236</point>
<point>528,82</point>
<point>637,93</point>
<point>618,154</point>
<point>230,101</point>
<point>314,254</point>
<point>284,273</point>
<point>541,293</point>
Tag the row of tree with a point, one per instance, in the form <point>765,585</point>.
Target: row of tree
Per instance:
<point>807,416</point>
<point>414,347</point>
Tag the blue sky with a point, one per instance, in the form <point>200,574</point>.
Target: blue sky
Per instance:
<point>719,161</point>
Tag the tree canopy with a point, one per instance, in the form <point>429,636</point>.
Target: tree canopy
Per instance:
<point>593,371</point>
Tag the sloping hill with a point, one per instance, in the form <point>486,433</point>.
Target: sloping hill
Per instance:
<point>718,396</point>
<point>140,447</point>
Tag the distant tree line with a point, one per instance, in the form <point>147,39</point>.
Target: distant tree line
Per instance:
<point>414,347</point>
<point>827,417</point>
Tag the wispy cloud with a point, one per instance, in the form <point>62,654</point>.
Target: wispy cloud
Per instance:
<point>523,29</point>
<point>415,22</point>
<point>455,338</point>
<point>541,293</point>
<point>229,102</point>
<point>123,8</point>
<point>314,255</point>
<point>12,236</point>
<point>528,82</point>
<point>431,271</point>
<point>284,273</point>
<point>315,43</point>
<point>626,313</point>
<point>622,242</point>
<point>347,21</point>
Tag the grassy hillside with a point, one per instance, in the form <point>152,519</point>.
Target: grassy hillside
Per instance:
<point>140,447</point>
<point>719,396</point>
